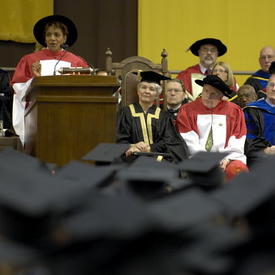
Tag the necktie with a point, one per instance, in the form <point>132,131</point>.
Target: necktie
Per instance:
<point>209,141</point>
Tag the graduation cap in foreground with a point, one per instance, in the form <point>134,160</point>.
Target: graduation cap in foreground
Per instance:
<point>87,175</point>
<point>11,159</point>
<point>106,153</point>
<point>204,169</point>
<point>126,234</point>
<point>248,191</point>
<point>148,177</point>
<point>31,200</point>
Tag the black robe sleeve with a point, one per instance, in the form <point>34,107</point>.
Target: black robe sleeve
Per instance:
<point>165,137</point>
<point>255,125</point>
<point>5,99</point>
<point>168,140</point>
<point>256,85</point>
<point>124,126</point>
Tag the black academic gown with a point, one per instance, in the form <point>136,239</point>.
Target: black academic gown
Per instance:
<point>155,128</point>
<point>5,99</point>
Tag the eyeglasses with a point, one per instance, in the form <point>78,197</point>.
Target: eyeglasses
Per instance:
<point>268,57</point>
<point>206,50</point>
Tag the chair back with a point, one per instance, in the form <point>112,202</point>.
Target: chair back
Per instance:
<point>124,72</point>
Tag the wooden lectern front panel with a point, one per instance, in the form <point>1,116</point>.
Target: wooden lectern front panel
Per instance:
<point>65,122</point>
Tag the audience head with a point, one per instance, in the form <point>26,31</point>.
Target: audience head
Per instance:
<point>55,31</point>
<point>267,55</point>
<point>101,72</point>
<point>270,88</point>
<point>149,87</point>
<point>246,94</point>
<point>223,71</point>
<point>208,49</point>
<point>213,90</point>
<point>175,93</point>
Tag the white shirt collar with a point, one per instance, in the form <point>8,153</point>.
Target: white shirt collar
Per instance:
<point>202,68</point>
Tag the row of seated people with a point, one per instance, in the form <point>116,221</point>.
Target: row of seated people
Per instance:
<point>209,123</point>
<point>208,50</point>
<point>54,32</point>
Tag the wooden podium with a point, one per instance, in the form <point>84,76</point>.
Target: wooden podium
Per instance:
<point>69,115</point>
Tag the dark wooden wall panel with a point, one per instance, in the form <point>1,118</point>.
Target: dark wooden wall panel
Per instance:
<point>101,24</point>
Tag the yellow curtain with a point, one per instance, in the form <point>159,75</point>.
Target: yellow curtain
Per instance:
<point>18,17</point>
<point>244,26</point>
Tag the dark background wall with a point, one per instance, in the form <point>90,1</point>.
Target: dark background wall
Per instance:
<point>101,24</point>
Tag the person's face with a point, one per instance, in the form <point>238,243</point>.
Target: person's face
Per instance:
<point>270,89</point>
<point>174,94</point>
<point>267,55</point>
<point>211,96</point>
<point>147,92</point>
<point>208,54</point>
<point>221,72</point>
<point>54,38</point>
<point>245,96</point>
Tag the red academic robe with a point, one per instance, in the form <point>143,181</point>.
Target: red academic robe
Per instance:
<point>23,76</point>
<point>194,122</point>
<point>23,71</point>
<point>185,76</point>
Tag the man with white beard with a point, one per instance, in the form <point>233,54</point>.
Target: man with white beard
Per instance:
<point>207,49</point>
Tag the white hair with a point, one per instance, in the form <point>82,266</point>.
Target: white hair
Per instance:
<point>156,86</point>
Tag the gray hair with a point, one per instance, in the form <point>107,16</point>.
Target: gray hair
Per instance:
<point>156,86</point>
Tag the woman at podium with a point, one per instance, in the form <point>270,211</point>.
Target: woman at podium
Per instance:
<point>55,33</point>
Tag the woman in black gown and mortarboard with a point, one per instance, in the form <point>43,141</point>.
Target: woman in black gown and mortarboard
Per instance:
<point>145,126</point>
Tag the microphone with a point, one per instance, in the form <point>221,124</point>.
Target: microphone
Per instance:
<point>64,47</point>
<point>92,68</point>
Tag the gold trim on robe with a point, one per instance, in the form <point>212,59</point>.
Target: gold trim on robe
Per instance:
<point>146,127</point>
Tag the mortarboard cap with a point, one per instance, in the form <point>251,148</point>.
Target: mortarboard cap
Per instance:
<point>204,169</point>
<point>152,77</point>
<point>149,177</point>
<point>11,159</point>
<point>106,153</point>
<point>248,191</point>
<point>173,213</point>
<point>87,175</point>
<point>31,199</point>
<point>17,254</point>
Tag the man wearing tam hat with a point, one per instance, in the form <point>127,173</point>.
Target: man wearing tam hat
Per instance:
<point>215,125</point>
<point>145,127</point>
<point>54,32</point>
<point>207,49</point>
<point>260,121</point>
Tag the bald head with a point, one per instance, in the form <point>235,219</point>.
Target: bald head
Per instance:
<point>267,55</point>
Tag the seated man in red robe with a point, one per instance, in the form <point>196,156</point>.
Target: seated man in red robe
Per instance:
<point>215,125</point>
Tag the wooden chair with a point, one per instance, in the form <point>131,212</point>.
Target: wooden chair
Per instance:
<point>123,70</point>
